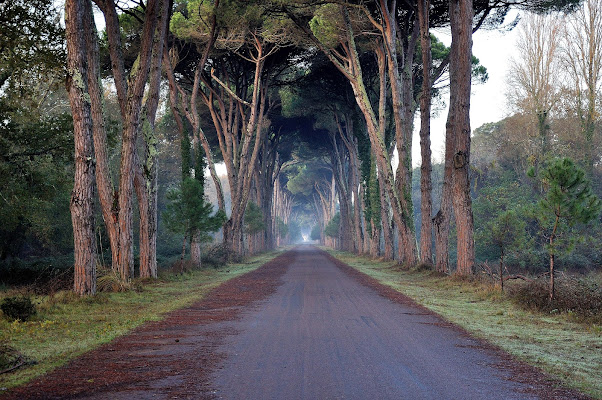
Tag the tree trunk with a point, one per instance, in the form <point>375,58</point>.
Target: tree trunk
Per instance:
<point>130,91</point>
<point>375,240</point>
<point>147,173</point>
<point>145,224</point>
<point>552,256</point>
<point>552,294</point>
<point>502,270</point>
<point>403,136</point>
<point>442,220</point>
<point>183,255</point>
<point>426,186</point>
<point>364,221</point>
<point>195,250</point>
<point>104,184</point>
<point>386,222</point>
<point>461,15</point>
<point>82,196</point>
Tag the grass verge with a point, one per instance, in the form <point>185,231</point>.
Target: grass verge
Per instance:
<point>66,326</point>
<point>568,350</point>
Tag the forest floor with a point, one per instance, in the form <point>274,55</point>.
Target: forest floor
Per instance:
<point>304,325</point>
<point>562,345</point>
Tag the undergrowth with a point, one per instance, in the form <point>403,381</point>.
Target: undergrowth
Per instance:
<point>577,297</point>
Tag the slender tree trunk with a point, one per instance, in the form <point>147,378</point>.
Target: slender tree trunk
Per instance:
<point>145,223</point>
<point>461,15</point>
<point>442,220</point>
<point>183,255</point>
<point>403,180</point>
<point>195,250</point>
<point>552,257</point>
<point>147,175</point>
<point>364,221</point>
<point>82,196</point>
<point>350,142</point>
<point>387,229</point>
<point>502,270</point>
<point>104,184</point>
<point>552,289</point>
<point>426,186</point>
<point>375,240</point>
<point>130,92</point>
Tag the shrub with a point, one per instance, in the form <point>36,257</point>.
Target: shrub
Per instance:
<point>579,296</point>
<point>9,357</point>
<point>423,267</point>
<point>109,281</point>
<point>333,226</point>
<point>18,308</point>
<point>183,266</point>
<point>218,255</point>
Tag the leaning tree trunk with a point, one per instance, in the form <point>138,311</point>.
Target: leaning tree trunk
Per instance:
<point>82,196</point>
<point>461,15</point>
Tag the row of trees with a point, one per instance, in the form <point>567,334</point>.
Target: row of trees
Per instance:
<point>375,48</point>
<point>356,223</point>
<point>232,70</point>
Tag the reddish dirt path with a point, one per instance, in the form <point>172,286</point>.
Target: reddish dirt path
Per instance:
<point>322,331</point>
<point>167,359</point>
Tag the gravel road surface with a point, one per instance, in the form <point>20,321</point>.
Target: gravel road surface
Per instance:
<point>323,335</point>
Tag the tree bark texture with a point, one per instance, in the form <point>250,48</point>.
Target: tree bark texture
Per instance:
<point>345,130</point>
<point>402,98</point>
<point>82,196</point>
<point>442,220</point>
<point>426,186</point>
<point>461,15</point>
<point>385,219</point>
<point>104,184</point>
<point>146,180</point>
<point>195,251</point>
<point>130,91</point>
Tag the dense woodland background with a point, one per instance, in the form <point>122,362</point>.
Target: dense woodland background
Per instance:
<point>264,89</point>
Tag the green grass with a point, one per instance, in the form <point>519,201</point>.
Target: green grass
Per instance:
<point>66,326</point>
<point>568,350</point>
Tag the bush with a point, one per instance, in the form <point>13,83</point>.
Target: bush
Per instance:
<point>18,308</point>
<point>11,359</point>
<point>333,226</point>
<point>109,281</point>
<point>218,255</point>
<point>183,266</point>
<point>580,296</point>
<point>44,274</point>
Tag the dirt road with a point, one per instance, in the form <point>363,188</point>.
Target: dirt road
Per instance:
<point>323,335</point>
<point>304,326</point>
